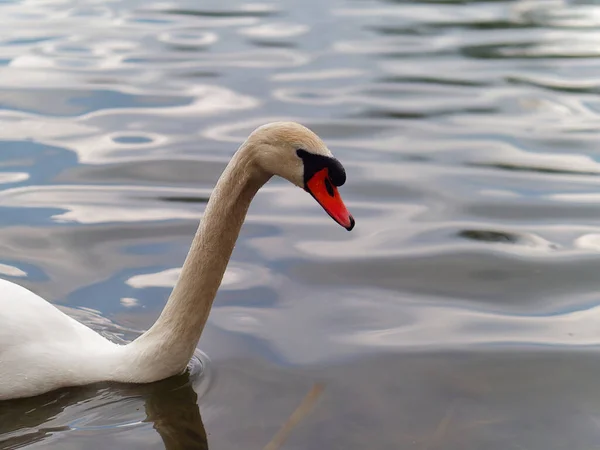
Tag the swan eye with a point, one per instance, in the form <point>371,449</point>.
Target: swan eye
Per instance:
<point>314,163</point>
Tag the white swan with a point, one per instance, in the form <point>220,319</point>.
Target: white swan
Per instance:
<point>42,349</point>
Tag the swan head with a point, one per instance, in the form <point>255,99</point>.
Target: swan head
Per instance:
<point>294,152</point>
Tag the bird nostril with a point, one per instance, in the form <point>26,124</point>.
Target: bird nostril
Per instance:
<point>329,187</point>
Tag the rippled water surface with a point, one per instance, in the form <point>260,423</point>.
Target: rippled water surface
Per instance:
<point>461,313</point>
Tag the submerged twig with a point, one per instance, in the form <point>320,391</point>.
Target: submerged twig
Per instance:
<point>302,410</point>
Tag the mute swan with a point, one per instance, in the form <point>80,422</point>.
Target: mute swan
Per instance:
<point>42,349</point>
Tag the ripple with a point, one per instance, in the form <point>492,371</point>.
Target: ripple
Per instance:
<point>401,323</point>
<point>11,271</point>
<point>132,139</point>
<point>274,58</point>
<point>520,161</point>
<point>26,41</point>
<point>237,277</point>
<point>129,302</point>
<point>556,47</point>
<point>556,14</point>
<point>94,319</point>
<point>557,330</point>
<point>189,38</point>
<point>505,237</point>
<point>93,205</point>
<point>165,278</point>
<point>589,241</point>
<point>392,100</point>
<point>89,11</point>
<point>406,46</point>
<point>137,171</point>
<point>247,10</point>
<point>347,132</point>
<point>275,30</point>
<point>332,74</point>
<point>56,102</point>
<point>13,177</point>
<point>558,84</point>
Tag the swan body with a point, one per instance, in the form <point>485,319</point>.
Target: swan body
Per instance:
<point>42,349</point>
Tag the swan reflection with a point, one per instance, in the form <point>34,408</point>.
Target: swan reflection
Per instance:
<point>170,406</point>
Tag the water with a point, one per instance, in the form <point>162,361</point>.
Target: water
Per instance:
<point>461,313</point>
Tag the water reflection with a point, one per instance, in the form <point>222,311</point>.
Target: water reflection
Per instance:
<point>170,407</point>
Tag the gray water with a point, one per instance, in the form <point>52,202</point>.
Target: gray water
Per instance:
<point>461,313</point>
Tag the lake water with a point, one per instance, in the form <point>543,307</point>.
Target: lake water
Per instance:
<point>463,311</point>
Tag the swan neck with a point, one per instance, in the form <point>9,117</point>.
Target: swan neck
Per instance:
<point>171,341</point>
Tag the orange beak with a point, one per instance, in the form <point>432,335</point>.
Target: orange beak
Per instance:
<point>324,192</point>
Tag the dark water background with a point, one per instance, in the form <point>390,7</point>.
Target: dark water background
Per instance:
<point>461,313</point>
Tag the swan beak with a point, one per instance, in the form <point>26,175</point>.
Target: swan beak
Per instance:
<point>324,192</point>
